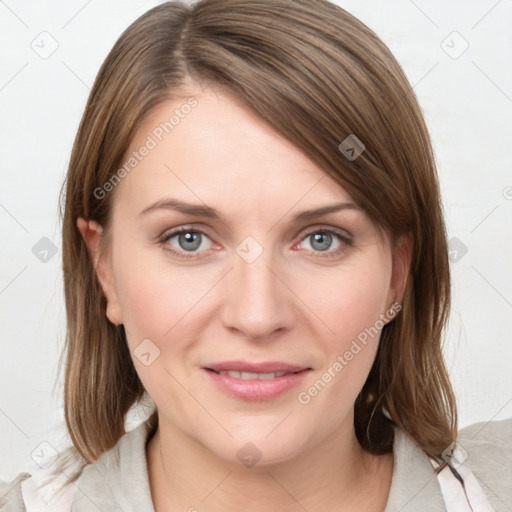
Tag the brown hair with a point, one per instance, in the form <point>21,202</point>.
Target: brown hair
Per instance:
<point>316,74</point>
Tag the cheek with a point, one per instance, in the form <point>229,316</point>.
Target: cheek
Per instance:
<point>159,301</point>
<point>350,298</point>
<point>159,304</point>
<point>349,305</point>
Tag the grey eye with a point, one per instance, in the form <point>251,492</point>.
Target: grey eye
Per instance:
<point>189,241</point>
<point>321,241</point>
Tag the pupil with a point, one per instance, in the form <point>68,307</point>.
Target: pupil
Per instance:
<point>321,241</point>
<point>189,241</point>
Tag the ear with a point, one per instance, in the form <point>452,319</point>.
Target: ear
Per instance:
<point>402,255</point>
<point>92,233</point>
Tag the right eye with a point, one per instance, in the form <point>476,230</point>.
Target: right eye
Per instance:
<point>186,240</point>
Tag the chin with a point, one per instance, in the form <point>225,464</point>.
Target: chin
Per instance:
<point>260,445</point>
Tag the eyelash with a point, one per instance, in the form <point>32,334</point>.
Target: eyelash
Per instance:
<point>346,241</point>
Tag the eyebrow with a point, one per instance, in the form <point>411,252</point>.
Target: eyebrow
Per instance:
<point>199,210</point>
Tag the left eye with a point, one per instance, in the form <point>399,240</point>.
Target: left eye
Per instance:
<point>322,241</point>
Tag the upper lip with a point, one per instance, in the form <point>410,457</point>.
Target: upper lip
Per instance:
<point>263,367</point>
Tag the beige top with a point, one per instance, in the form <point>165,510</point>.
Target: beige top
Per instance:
<point>118,480</point>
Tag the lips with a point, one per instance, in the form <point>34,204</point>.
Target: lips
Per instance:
<point>260,368</point>
<point>255,381</point>
<point>251,375</point>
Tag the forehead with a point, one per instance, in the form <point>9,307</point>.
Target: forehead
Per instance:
<point>207,146</point>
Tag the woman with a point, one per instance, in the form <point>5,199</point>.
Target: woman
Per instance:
<point>253,238</point>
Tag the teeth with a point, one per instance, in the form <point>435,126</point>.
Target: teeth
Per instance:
<point>251,375</point>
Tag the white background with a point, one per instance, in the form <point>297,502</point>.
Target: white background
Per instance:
<point>467,102</point>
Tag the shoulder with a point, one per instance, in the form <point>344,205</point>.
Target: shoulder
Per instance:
<point>494,432</point>
<point>114,482</point>
<point>487,443</point>
<point>485,452</point>
<point>118,480</point>
<point>50,486</point>
<point>11,498</point>
<point>486,448</point>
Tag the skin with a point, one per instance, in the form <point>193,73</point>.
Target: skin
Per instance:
<point>294,303</point>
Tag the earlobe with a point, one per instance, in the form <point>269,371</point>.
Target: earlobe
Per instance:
<point>112,317</point>
<point>92,233</point>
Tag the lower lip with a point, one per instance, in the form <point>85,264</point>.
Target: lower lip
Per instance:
<point>256,389</point>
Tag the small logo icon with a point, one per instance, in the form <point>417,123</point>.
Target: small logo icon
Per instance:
<point>45,45</point>
<point>454,455</point>
<point>44,455</point>
<point>146,352</point>
<point>351,147</point>
<point>454,45</point>
<point>142,409</point>
<point>249,249</point>
<point>44,250</point>
<point>249,455</point>
<point>457,249</point>
<point>507,193</point>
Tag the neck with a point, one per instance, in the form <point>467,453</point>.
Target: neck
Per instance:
<point>333,475</point>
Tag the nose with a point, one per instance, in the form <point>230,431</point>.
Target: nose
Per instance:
<point>258,303</point>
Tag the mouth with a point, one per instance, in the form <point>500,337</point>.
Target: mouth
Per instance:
<point>259,368</point>
<point>255,381</point>
<point>250,375</point>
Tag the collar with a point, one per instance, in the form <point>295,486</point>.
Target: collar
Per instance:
<point>414,484</point>
<point>118,480</point>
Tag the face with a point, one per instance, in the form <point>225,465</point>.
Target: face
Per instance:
<point>248,319</point>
